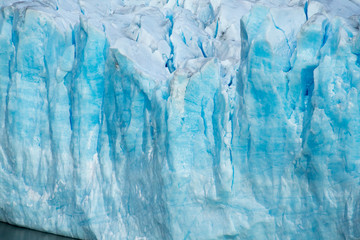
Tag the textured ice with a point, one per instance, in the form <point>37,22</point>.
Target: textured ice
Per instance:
<point>181,119</point>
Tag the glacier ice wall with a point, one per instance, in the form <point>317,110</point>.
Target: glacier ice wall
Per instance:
<point>181,119</point>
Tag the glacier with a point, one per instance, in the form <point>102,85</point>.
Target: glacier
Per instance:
<point>181,119</point>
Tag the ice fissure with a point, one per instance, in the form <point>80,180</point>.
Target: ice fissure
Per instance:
<point>180,119</point>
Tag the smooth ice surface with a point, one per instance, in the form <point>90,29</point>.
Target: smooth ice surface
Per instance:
<point>181,119</point>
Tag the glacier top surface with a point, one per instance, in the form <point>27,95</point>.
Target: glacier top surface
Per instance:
<point>170,33</point>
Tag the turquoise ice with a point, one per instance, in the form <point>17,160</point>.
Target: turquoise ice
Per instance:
<point>181,119</point>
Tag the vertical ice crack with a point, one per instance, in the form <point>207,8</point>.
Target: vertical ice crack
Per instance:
<point>170,62</point>
<point>201,48</point>
<point>233,170</point>
<point>286,39</point>
<point>306,10</point>
<point>216,28</point>
<point>203,117</point>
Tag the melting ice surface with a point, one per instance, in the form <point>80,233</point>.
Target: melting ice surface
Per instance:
<point>181,119</point>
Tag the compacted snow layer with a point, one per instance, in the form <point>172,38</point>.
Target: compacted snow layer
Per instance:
<point>181,119</point>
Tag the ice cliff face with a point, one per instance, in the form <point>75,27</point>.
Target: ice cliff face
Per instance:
<point>181,119</point>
